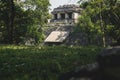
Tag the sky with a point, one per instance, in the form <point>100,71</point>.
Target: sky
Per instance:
<point>56,3</point>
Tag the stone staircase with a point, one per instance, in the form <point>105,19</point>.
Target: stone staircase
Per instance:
<point>49,29</point>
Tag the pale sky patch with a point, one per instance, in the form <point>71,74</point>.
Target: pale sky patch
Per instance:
<point>56,3</point>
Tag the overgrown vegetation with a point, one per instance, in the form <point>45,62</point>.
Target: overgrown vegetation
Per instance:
<point>42,63</point>
<point>100,21</point>
<point>22,20</point>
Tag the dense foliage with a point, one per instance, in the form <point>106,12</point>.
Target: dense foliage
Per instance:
<point>22,20</point>
<point>42,63</point>
<point>100,21</point>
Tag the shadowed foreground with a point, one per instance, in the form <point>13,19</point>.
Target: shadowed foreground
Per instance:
<point>106,67</point>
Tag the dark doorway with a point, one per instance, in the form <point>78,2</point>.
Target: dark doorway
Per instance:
<point>55,16</point>
<point>62,16</point>
<point>70,15</point>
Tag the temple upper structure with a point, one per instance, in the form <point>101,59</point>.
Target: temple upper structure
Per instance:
<point>67,14</point>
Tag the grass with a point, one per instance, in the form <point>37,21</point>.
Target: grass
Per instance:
<point>42,63</point>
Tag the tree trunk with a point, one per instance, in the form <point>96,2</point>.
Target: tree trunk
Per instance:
<point>102,27</point>
<point>12,15</point>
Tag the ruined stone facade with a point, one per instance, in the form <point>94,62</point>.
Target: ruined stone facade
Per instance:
<point>66,14</point>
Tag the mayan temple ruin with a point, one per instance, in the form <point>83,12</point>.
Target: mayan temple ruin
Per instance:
<point>63,18</point>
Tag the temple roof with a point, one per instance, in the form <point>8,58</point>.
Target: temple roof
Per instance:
<point>67,8</point>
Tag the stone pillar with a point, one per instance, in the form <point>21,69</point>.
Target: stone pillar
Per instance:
<point>66,16</point>
<point>58,16</point>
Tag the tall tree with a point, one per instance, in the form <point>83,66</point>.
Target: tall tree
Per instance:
<point>7,16</point>
<point>39,14</point>
<point>22,19</point>
<point>12,16</point>
<point>101,14</point>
